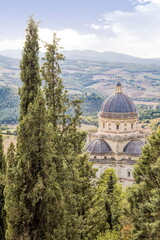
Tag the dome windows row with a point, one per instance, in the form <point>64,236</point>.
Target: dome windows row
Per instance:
<point>130,126</point>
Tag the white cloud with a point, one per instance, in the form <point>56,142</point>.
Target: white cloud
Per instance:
<point>11,44</point>
<point>148,1</point>
<point>95,26</point>
<point>136,33</point>
<point>71,39</point>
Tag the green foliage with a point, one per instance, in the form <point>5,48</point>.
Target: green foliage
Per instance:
<point>29,66</point>
<point>109,235</point>
<point>150,113</point>
<point>11,196</point>
<point>144,195</point>
<point>35,196</point>
<point>9,105</point>
<point>74,172</point>
<point>108,205</point>
<point>2,177</point>
<point>80,200</point>
<point>53,83</point>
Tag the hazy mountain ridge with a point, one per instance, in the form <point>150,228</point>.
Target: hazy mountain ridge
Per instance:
<point>108,56</point>
<point>91,55</point>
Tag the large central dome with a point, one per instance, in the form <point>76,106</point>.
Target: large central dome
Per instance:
<point>119,104</point>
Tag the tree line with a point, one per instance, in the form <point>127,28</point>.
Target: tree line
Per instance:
<point>48,188</point>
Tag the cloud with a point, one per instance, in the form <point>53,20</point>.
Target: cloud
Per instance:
<point>70,39</point>
<point>157,2</point>
<point>11,44</point>
<point>136,33</point>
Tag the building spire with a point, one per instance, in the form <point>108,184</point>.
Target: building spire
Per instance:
<point>118,88</point>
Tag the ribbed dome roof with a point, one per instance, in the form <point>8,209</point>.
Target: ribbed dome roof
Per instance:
<point>98,146</point>
<point>118,103</point>
<point>134,147</point>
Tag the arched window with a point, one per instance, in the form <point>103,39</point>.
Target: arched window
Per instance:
<point>128,173</point>
<point>103,125</point>
<point>117,126</point>
<point>131,125</point>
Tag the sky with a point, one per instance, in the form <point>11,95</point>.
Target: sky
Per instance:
<point>125,26</point>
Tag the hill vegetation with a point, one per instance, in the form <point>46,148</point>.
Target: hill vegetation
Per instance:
<point>89,71</point>
<point>9,105</point>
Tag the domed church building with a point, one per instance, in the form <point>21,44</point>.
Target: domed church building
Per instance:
<point>118,142</point>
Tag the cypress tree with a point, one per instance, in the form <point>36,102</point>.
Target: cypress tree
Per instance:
<point>2,176</point>
<point>29,67</point>
<point>53,82</point>
<point>144,196</point>
<point>57,101</point>
<point>37,194</point>
<point>108,207</point>
<point>74,173</point>
<point>11,196</point>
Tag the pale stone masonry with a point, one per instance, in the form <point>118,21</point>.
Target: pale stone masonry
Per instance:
<point>117,143</point>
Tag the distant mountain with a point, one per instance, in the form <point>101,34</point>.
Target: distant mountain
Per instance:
<point>8,61</point>
<point>15,53</point>
<point>108,56</point>
<point>90,55</point>
<point>12,53</point>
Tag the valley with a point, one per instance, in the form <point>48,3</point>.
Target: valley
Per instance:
<point>90,76</point>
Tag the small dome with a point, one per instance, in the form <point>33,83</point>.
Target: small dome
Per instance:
<point>134,147</point>
<point>98,146</point>
<point>118,84</point>
<point>118,105</point>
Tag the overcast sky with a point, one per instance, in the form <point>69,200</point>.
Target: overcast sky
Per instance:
<point>125,26</point>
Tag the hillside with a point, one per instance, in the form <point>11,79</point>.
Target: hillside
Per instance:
<point>9,71</point>
<point>141,82</point>
<point>9,105</point>
<point>85,77</point>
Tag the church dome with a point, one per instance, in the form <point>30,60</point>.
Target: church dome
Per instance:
<point>118,105</point>
<point>98,146</point>
<point>134,147</point>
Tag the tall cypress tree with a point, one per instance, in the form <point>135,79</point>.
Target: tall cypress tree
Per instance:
<point>33,204</point>
<point>144,196</point>
<point>36,195</point>
<point>2,176</point>
<point>29,66</point>
<point>74,173</point>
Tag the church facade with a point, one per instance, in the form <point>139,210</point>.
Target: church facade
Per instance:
<point>118,142</point>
